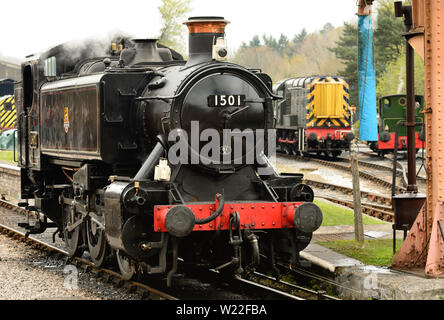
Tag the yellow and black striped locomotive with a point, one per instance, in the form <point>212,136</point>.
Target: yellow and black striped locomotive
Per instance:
<point>314,116</point>
<point>8,114</point>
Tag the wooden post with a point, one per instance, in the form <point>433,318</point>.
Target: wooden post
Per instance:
<point>359,227</point>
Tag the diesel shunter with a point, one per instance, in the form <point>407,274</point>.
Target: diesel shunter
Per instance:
<point>314,117</point>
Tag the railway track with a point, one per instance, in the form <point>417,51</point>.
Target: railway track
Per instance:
<point>401,167</point>
<point>383,213</point>
<point>343,165</point>
<point>257,284</point>
<point>248,288</point>
<point>377,206</point>
<point>339,164</point>
<point>108,276</point>
<point>301,292</point>
<point>370,196</point>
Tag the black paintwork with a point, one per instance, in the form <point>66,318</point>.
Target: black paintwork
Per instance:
<point>90,137</point>
<point>6,87</point>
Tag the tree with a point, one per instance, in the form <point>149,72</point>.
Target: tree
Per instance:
<point>255,42</point>
<point>270,42</point>
<point>320,60</point>
<point>393,80</point>
<point>264,58</point>
<point>282,43</point>
<point>327,27</point>
<point>346,50</point>
<point>388,47</point>
<point>173,13</point>
<point>300,37</point>
<point>388,42</point>
<point>281,59</point>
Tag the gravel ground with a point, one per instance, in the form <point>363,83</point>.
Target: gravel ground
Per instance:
<point>12,219</point>
<point>27,274</point>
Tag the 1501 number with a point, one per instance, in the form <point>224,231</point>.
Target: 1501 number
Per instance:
<point>234,100</point>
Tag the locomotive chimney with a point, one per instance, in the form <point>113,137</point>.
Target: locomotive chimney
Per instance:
<point>206,39</point>
<point>145,50</point>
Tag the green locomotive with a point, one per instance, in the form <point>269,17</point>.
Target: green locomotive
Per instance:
<point>392,109</point>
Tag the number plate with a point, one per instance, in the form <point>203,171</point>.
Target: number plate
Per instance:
<point>223,100</point>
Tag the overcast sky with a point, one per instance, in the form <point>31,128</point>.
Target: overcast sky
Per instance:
<point>32,26</point>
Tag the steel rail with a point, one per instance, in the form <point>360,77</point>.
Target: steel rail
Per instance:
<point>337,165</point>
<point>313,276</point>
<point>145,292</point>
<point>267,289</point>
<point>362,174</point>
<point>369,209</point>
<point>349,191</point>
<point>290,287</point>
<point>109,276</point>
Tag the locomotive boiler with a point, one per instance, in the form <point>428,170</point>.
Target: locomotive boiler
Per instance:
<point>142,158</point>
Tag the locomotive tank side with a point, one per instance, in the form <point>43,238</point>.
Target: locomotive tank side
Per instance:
<point>86,118</point>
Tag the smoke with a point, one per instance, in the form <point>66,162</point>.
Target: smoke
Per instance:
<point>91,47</point>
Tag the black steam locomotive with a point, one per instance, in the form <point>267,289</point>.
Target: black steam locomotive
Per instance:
<point>99,136</point>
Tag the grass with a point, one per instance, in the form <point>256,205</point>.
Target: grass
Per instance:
<point>377,252</point>
<point>335,215</point>
<point>7,155</point>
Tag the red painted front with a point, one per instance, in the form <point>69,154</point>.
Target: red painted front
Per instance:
<point>402,143</point>
<point>267,215</point>
<point>280,140</point>
<point>335,133</point>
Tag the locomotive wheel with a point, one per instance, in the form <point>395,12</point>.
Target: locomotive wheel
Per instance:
<point>287,150</point>
<point>97,245</point>
<point>336,153</point>
<point>126,268</point>
<point>72,239</point>
<point>329,155</point>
